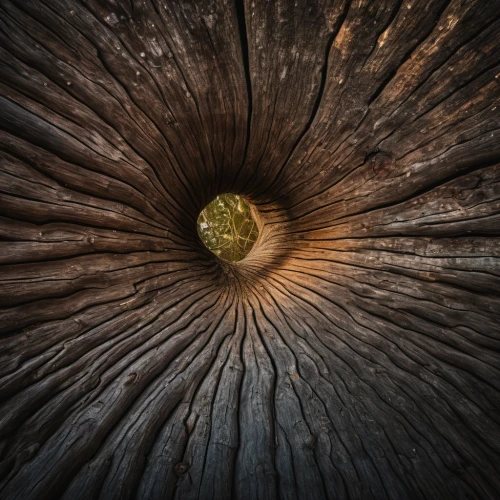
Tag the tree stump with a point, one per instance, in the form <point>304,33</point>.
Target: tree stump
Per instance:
<point>354,353</point>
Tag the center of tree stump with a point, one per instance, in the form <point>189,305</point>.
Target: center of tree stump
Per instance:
<point>227,228</point>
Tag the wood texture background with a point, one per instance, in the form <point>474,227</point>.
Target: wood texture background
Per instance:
<point>354,354</point>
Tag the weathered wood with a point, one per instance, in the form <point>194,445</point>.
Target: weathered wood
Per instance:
<point>354,353</point>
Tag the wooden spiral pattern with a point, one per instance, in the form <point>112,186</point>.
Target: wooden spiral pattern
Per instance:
<point>354,354</point>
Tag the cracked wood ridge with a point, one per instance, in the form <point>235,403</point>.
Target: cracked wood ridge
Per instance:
<point>354,353</point>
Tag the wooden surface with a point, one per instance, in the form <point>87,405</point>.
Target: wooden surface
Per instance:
<point>354,354</point>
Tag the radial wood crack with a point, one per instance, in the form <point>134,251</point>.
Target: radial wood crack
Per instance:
<point>353,353</point>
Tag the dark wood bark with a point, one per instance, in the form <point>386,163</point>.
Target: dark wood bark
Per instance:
<point>354,354</point>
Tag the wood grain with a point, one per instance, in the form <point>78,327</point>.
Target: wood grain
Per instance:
<point>354,353</point>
